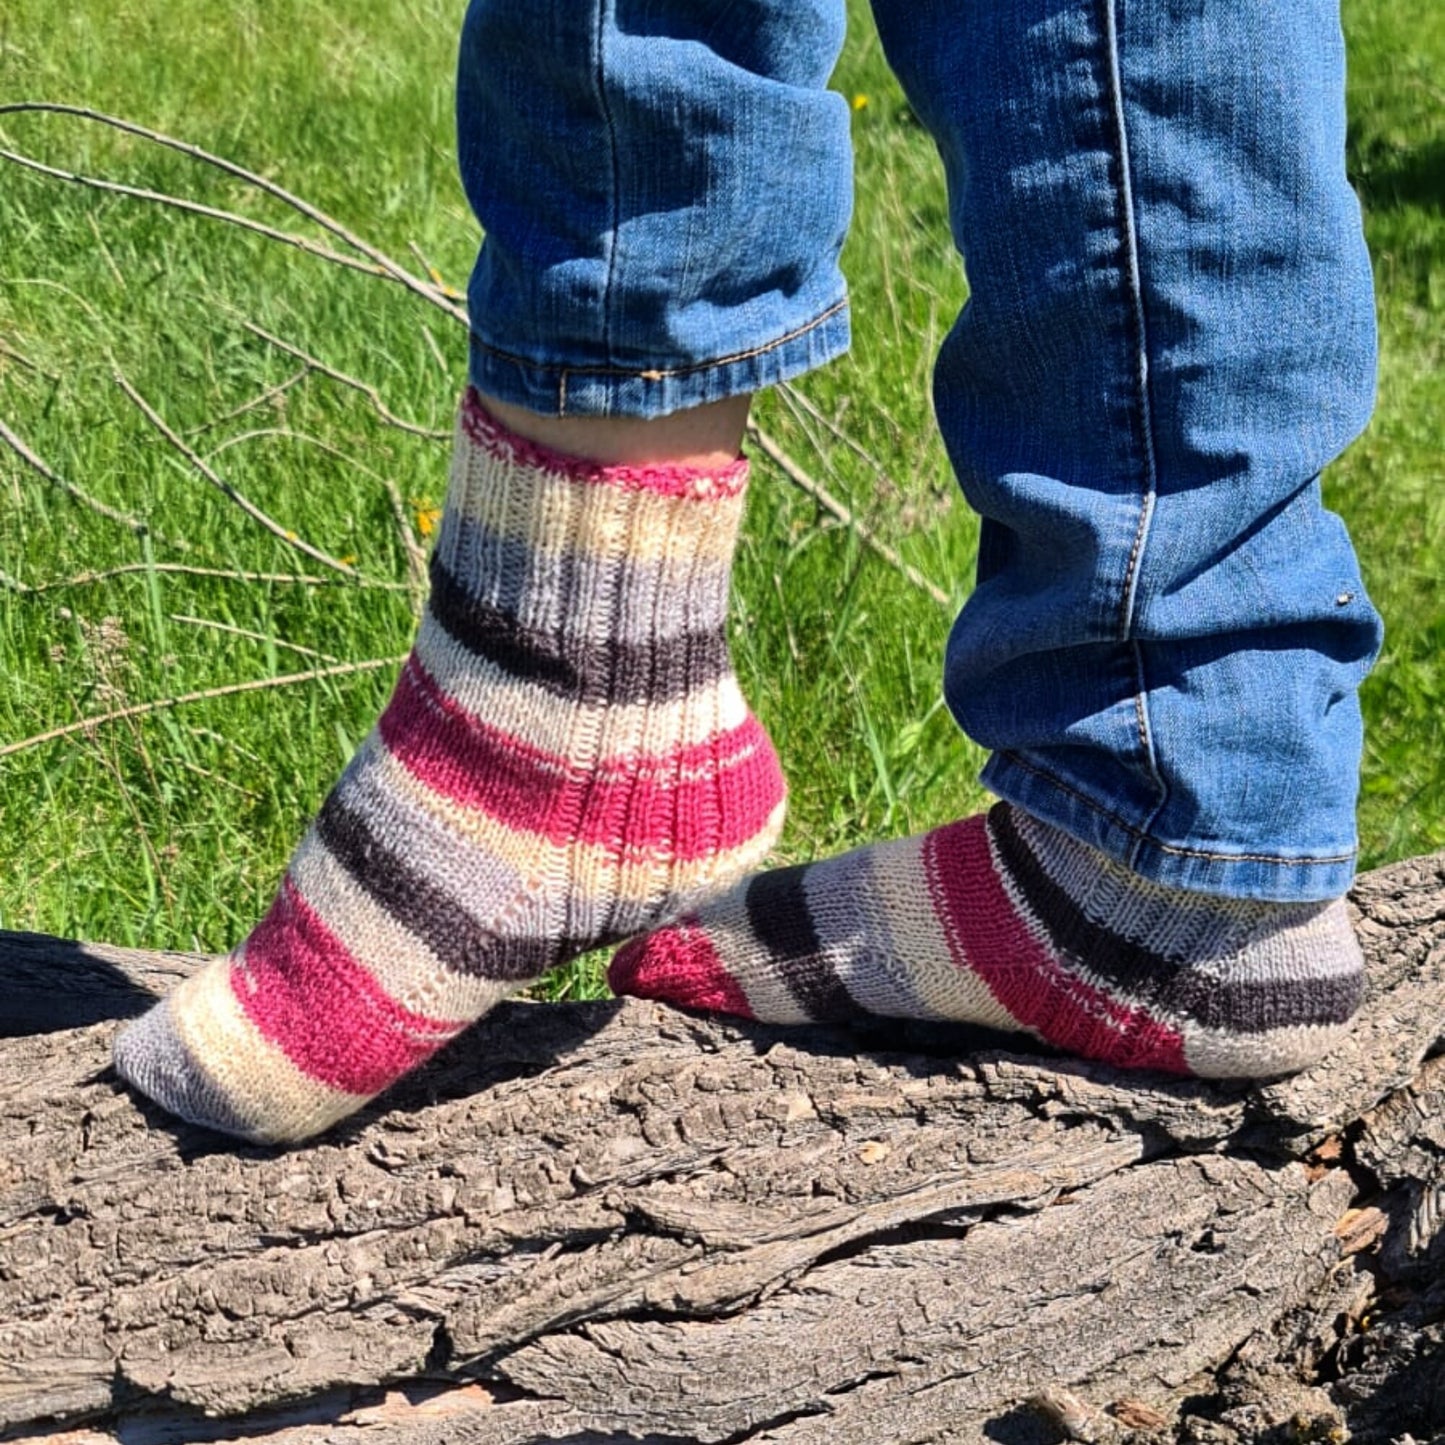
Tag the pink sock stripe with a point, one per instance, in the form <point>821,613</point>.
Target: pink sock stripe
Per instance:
<point>986,934</point>
<point>705,798</point>
<point>667,481</point>
<point>678,965</point>
<point>322,1009</point>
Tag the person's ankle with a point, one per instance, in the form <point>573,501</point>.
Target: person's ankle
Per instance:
<point>704,436</point>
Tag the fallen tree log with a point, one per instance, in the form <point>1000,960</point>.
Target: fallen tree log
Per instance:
<point>618,1222</point>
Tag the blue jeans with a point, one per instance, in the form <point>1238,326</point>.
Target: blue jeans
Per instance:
<point>1170,332</point>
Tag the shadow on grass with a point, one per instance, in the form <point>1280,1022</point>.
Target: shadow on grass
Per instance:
<point>1389,177</point>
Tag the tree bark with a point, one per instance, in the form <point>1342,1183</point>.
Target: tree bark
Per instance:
<point>618,1222</point>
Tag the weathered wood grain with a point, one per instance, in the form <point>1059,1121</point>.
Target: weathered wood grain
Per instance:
<point>615,1221</point>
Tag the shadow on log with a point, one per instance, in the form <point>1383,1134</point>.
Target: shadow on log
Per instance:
<point>616,1222</point>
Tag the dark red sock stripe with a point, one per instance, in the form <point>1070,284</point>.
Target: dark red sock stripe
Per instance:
<point>703,799</point>
<point>989,937</point>
<point>303,990</point>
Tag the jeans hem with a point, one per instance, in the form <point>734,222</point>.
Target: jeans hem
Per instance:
<point>585,389</point>
<point>1240,872</point>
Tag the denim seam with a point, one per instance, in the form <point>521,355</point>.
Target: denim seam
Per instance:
<point>1130,239</point>
<point>615,219</point>
<point>1173,848</point>
<point>1141,724</point>
<point>564,370</point>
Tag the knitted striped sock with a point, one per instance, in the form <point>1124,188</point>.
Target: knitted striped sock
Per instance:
<point>566,760</point>
<point>1004,921</point>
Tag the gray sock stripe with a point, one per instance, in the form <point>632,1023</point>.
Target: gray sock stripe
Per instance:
<point>851,924</point>
<point>578,668</point>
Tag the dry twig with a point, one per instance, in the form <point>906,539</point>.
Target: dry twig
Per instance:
<point>226,489</point>
<point>140,709</point>
<point>366,389</point>
<point>249,635</point>
<point>381,262</point>
<point>416,569</point>
<point>270,394</point>
<point>797,400</point>
<point>223,574</point>
<point>20,359</point>
<point>140,527</point>
<point>194,208</point>
<point>844,514</point>
<point>432,271</point>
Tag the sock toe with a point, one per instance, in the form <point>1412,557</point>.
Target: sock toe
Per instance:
<point>678,965</point>
<point>151,1056</point>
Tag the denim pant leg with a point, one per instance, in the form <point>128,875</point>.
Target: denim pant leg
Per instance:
<point>1170,332</point>
<point>664,187</point>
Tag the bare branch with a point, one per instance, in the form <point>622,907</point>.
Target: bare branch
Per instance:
<point>115,270</point>
<point>432,271</point>
<point>415,552</point>
<point>85,579</point>
<point>226,489</point>
<point>827,500</point>
<point>798,400</point>
<point>19,357</point>
<point>425,289</point>
<point>140,709</point>
<point>270,394</point>
<point>344,379</point>
<point>436,351</point>
<point>196,208</point>
<point>290,434</point>
<point>137,525</point>
<point>250,636</point>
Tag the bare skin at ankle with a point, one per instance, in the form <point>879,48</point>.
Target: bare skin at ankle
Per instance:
<point>702,436</point>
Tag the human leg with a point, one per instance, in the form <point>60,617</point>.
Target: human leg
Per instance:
<point>707,436</point>
<point>567,758</point>
<point>1168,631</point>
<point>1169,334</point>
<point>634,165</point>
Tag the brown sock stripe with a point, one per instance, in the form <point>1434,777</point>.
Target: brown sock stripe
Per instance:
<point>777,909</point>
<point>572,668</point>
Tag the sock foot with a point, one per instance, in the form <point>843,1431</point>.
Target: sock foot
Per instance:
<point>1003,921</point>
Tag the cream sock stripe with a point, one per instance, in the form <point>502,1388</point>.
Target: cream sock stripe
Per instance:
<point>622,730</point>
<point>558,591</point>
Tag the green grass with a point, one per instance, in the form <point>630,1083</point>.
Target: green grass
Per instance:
<point>170,830</point>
